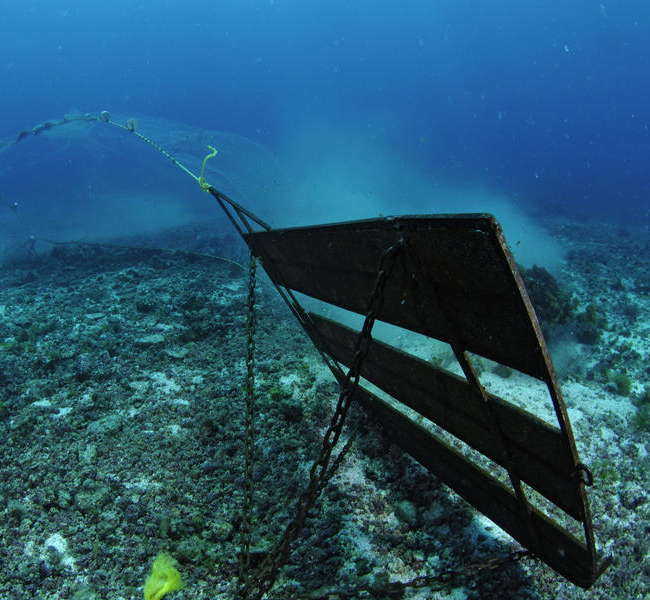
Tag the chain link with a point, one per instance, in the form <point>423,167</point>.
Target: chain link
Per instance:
<point>337,461</point>
<point>260,582</point>
<point>255,585</point>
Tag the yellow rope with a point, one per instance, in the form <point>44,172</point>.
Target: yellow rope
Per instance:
<point>205,186</point>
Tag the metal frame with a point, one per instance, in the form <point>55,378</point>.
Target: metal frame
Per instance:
<point>455,280</point>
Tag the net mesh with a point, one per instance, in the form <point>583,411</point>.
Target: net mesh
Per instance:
<point>89,180</point>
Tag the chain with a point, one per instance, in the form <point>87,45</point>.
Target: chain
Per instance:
<point>337,461</point>
<point>246,533</point>
<point>264,577</point>
<point>431,582</point>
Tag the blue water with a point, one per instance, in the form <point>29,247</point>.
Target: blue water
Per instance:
<point>540,103</point>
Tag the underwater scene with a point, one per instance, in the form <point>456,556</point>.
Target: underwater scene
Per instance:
<point>324,300</point>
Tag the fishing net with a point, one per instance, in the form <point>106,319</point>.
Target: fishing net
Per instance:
<point>83,178</point>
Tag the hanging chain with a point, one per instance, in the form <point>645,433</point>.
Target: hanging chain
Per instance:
<point>246,526</point>
<point>257,584</point>
<point>264,577</point>
<point>334,467</point>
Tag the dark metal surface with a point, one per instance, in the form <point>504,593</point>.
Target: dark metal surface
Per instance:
<point>448,401</point>
<point>559,549</point>
<point>453,279</point>
<point>459,255</point>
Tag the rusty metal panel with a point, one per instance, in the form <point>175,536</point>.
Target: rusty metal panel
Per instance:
<point>454,270</point>
<point>450,402</point>
<point>558,548</point>
<point>452,278</point>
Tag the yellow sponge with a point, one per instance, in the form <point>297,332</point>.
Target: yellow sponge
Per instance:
<point>163,577</point>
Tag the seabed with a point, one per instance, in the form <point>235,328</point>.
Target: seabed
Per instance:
<point>122,430</point>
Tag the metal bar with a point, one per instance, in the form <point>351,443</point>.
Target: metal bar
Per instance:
<point>221,198</point>
<point>555,392</point>
<point>464,289</point>
<point>424,286</point>
<point>448,401</point>
<point>558,548</point>
<point>460,257</point>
